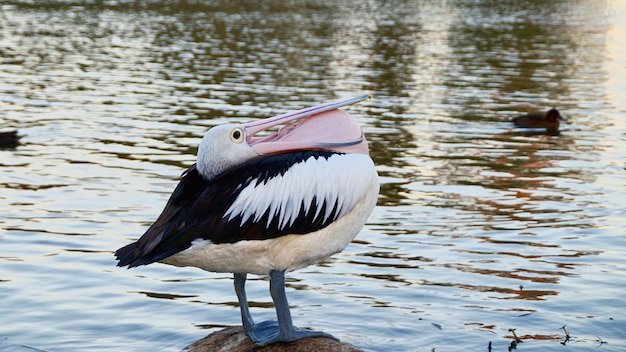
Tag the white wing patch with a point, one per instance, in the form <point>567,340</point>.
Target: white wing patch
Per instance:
<point>342,179</point>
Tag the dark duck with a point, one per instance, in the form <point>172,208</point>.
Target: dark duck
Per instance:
<point>9,139</point>
<point>549,120</point>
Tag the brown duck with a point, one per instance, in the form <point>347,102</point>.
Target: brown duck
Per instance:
<point>548,120</point>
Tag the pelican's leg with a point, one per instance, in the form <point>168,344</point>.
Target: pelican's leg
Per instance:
<point>240,290</point>
<point>286,330</point>
<point>256,332</point>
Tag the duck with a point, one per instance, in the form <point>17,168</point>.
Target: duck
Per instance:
<point>548,120</point>
<point>9,139</point>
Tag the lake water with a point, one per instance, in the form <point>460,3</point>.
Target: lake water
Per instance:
<point>480,227</point>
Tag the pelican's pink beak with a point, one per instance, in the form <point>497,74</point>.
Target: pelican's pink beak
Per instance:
<point>320,127</point>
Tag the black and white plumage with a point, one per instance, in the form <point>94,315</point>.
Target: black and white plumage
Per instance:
<point>266,205</point>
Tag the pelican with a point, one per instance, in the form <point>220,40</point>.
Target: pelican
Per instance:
<point>267,203</point>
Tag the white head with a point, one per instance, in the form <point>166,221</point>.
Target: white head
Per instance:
<point>221,148</point>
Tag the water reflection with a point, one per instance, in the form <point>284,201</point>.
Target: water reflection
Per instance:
<point>480,226</point>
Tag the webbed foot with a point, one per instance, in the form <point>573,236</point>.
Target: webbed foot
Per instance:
<point>268,332</point>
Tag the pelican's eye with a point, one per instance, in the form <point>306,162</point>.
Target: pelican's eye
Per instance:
<point>236,135</point>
